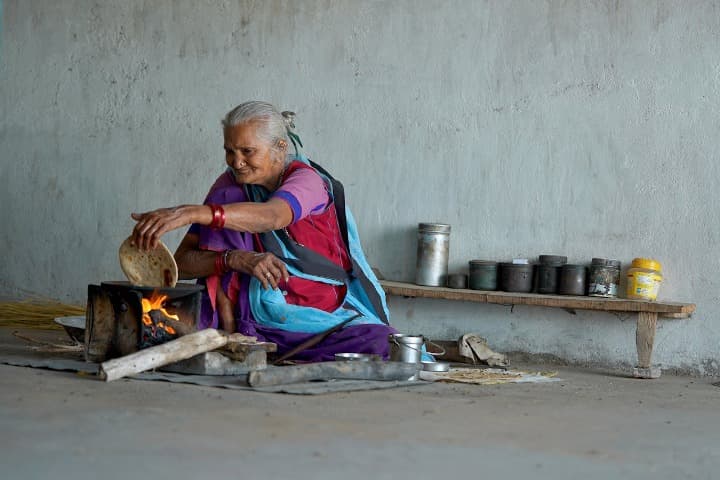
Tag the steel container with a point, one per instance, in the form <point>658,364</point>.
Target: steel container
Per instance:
<point>547,278</point>
<point>406,348</point>
<point>573,280</point>
<point>433,250</point>
<point>548,272</point>
<point>483,275</point>
<point>516,277</point>
<point>457,280</point>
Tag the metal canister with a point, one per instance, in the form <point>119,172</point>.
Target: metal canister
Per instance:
<point>548,272</point>
<point>483,275</point>
<point>604,278</point>
<point>433,250</point>
<point>573,280</point>
<point>457,280</point>
<point>516,277</point>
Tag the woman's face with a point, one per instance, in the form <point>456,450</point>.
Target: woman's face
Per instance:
<point>252,160</point>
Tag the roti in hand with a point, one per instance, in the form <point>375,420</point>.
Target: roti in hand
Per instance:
<point>153,268</point>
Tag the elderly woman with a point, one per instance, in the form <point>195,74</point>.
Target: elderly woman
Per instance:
<point>275,245</point>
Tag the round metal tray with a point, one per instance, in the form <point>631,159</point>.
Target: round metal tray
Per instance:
<point>356,357</point>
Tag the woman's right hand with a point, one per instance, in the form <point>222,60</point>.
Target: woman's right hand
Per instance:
<point>266,267</point>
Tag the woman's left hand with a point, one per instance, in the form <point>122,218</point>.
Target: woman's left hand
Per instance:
<point>153,225</point>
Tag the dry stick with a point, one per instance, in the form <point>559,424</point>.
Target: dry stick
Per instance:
<point>50,347</point>
<point>173,351</point>
<point>312,341</point>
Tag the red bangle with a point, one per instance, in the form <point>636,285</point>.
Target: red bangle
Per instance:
<point>219,264</point>
<point>218,214</point>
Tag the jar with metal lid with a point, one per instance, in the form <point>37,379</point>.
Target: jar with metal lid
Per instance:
<point>604,278</point>
<point>573,280</point>
<point>483,274</point>
<point>644,278</point>
<point>433,250</point>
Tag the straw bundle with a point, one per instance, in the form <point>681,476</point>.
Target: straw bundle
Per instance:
<point>37,314</point>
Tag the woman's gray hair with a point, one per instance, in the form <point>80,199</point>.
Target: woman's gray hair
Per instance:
<point>275,124</point>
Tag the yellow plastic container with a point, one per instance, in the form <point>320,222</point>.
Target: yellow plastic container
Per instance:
<point>644,279</point>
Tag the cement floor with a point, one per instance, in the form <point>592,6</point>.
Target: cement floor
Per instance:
<point>592,425</point>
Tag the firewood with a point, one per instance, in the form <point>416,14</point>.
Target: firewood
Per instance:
<point>386,371</point>
<point>173,351</point>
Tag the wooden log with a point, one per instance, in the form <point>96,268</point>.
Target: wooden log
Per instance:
<point>239,343</point>
<point>239,347</point>
<point>160,355</point>
<point>332,370</point>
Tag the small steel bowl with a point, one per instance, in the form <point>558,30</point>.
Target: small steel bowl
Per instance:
<point>436,366</point>
<point>356,357</point>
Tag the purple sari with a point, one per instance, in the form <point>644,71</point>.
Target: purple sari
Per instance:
<point>366,338</point>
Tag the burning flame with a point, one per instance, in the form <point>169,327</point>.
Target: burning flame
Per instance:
<point>155,302</point>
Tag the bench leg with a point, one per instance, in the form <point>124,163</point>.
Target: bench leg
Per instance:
<point>644,340</point>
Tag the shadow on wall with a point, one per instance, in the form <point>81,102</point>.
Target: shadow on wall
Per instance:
<point>400,245</point>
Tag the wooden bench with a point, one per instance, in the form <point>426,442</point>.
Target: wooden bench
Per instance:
<point>647,312</point>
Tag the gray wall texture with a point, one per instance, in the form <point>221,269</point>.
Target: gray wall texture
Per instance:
<point>570,127</point>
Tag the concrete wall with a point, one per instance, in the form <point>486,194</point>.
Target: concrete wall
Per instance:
<point>578,128</point>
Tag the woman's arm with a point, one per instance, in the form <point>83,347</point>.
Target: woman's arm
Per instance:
<point>195,263</point>
<point>243,217</point>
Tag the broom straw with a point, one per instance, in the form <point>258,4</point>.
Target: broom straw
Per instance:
<point>36,313</point>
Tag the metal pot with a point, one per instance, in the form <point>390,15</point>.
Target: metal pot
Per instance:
<point>409,349</point>
<point>406,348</point>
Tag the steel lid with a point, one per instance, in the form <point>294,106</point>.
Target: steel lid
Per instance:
<point>605,262</point>
<point>434,227</point>
<point>552,259</point>
<point>570,266</point>
<point>519,266</point>
<point>483,262</point>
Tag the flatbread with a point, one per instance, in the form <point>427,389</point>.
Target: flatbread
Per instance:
<point>153,268</point>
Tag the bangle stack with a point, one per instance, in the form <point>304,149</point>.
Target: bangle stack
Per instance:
<point>218,216</point>
<point>221,263</point>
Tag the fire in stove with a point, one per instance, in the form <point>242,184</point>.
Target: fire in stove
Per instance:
<point>155,328</point>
